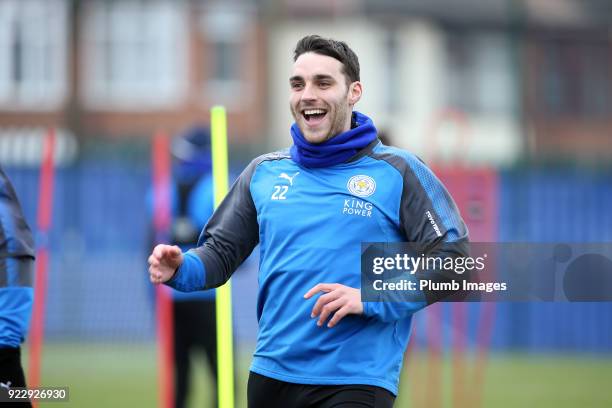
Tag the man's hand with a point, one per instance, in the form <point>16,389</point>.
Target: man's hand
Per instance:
<point>338,299</point>
<point>163,261</point>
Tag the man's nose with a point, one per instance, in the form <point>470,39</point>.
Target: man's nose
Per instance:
<point>309,93</point>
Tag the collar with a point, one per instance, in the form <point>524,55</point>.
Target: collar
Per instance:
<point>336,150</point>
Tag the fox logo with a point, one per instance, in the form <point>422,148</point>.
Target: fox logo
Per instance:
<point>287,177</point>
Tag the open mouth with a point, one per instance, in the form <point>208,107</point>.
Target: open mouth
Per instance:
<point>314,116</point>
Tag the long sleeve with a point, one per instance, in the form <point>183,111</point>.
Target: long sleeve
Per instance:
<point>429,218</point>
<point>225,242</point>
<point>15,236</point>
<point>16,268</point>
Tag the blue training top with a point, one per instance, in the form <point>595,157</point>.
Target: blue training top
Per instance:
<point>16,268</point>
<point>310,223</point>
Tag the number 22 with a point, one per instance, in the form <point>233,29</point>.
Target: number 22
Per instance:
<point>279,192</point>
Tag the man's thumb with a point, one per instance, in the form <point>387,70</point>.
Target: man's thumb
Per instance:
<point>174,251</point>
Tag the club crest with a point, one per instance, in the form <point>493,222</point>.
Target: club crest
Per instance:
<point>361,186</point>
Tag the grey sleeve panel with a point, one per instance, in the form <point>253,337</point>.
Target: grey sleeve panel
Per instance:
<point>232,231</point>
<point>16,238</point>
<point>428,214</point>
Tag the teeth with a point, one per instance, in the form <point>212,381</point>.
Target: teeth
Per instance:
<point>314,112</point>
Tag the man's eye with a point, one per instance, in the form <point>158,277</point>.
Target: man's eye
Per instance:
<point>296,85</point>
<point>324,84</point>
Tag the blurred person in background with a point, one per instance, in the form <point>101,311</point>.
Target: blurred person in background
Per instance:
<point>318,344</point>
<point>16,292</point>
<point>192,204</point>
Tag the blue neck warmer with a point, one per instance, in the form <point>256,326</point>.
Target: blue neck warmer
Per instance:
<point>336,150</point>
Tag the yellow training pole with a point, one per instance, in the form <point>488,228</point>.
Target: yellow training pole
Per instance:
<point>225,349</point>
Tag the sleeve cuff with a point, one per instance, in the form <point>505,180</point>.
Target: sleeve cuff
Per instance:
<point>190,276</point>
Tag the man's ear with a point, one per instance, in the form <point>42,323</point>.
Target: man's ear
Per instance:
<point>354,94</point>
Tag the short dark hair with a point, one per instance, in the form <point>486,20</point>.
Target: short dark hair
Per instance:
<point>331,48</point>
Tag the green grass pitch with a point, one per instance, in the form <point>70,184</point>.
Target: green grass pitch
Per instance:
<point>125,375</point>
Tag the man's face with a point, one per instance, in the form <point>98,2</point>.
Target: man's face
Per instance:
<point>320,100</point>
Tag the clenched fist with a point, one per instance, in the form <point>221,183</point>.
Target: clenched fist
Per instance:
<point>163,262</point>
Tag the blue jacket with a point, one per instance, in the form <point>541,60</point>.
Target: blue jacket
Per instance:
<point>310,223</point>
<point>16,268</point>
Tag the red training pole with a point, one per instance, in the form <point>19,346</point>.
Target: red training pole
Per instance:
<point>434,364</point>
<point>160,160</point>
<point>459,327</point>
<point>45,207</point>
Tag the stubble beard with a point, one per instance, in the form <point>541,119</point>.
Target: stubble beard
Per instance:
<point>338,114</point>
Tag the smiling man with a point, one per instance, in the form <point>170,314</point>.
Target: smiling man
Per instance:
<point>323,93</point>
<point>310,207</point>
